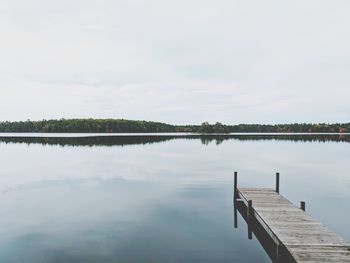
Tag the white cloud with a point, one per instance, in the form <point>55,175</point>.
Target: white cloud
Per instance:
<point>175,61</point>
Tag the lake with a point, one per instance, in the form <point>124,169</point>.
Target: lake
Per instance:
<point>152,198</point>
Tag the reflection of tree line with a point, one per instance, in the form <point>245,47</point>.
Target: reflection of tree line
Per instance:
<point>88,141</point>
<point>296,138</point>
<point>149,139</point>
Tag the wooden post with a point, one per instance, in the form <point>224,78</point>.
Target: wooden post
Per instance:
<point>250,218</point>
<point>235,186</point>
<point>302,205</point>
<point>249,208</point>
<point>278,182</point>
<point>235,195</point>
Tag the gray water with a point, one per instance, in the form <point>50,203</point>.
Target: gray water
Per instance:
<point>157,199</point>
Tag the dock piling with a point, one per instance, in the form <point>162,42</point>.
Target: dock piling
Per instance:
<point>235,194</point>
<point>278,183</point>
<point>250,219</point>
<point>235,185</point>
<point>302,205</point>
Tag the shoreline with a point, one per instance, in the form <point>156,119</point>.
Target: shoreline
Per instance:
<point>174,134</point>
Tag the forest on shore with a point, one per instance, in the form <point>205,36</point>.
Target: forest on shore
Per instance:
<point>135,126</point>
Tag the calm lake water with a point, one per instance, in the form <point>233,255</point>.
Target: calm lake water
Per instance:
<point>158,198</point>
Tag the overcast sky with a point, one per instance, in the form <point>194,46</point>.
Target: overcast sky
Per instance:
<point>183,61</point>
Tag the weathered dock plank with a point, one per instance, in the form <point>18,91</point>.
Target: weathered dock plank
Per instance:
<point>292,229</point>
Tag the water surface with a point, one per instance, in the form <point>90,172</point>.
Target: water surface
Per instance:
<point>156,198</point>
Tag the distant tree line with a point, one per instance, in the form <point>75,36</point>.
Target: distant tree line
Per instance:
<point>86,125</point>
<point>261,128</point>
<point>132,126</point>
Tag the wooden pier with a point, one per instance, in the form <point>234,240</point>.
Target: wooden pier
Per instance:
<point>286,231</point>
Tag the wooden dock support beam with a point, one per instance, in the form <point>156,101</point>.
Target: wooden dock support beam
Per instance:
<point>250,219</point>
<point>235,185</point>
<point>302,205</point>
<point>277,182</point>
<point>235,195</point>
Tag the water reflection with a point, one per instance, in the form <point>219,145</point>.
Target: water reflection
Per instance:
<point>120,221</point>
<point>149,139</point>
<point>276,253</point>
<point>163,199</point>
